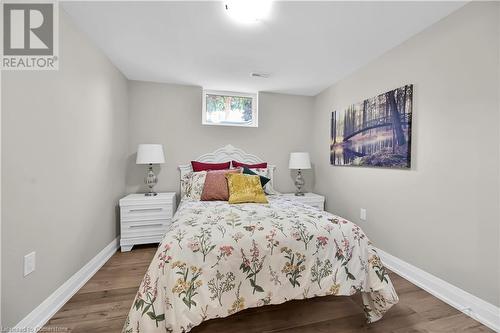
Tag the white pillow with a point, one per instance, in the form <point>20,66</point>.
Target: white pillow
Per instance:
<point>268,189</point>
<point>192,184</point>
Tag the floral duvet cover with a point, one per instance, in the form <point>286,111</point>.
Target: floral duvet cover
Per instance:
<point>217,259</point>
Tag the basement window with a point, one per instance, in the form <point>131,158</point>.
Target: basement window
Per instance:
<point>229,108</point>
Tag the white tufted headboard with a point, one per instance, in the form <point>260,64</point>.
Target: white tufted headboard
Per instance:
<point>226,154</point>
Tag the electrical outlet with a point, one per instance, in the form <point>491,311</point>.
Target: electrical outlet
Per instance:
<point>362,214</point>
<point>29,263</point>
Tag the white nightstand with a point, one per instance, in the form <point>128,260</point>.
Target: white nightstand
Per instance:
<point>311,199</point>
<point>144,219</point>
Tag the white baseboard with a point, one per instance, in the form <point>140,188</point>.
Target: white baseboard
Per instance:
<point>476,308</point>
<point>35,320</point>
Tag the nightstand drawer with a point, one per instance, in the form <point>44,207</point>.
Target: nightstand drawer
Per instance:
<point>144,228</point>
<point>314,200</point>
<point>316,205</point>
<point>133,212</point>
<point>145,219</point>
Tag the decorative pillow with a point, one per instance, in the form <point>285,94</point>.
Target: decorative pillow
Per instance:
<point>264,172</point>
<point>216,185</point>
<point>185,180</point>
<point>237,164</point>
<point>192,184</point>
<point>245,188</point>
<point>263,180</point>
<point>201,166</point>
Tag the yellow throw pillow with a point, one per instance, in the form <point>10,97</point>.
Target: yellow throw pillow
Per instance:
<point>245,188</point>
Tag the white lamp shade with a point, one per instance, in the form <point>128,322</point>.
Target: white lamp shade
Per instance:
<point>299,160</point>
<point>150,154</point>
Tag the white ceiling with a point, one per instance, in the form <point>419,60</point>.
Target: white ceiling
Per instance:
<point>304,46</point>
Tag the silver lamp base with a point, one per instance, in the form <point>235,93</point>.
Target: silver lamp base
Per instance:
<point>151,180</point>
<point>299,183</point>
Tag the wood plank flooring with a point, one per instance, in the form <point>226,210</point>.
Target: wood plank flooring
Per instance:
<point>103,304</point>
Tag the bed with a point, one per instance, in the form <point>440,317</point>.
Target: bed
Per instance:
<point>217,259</point>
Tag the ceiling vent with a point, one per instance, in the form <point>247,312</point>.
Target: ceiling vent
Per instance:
<point>261,75</point>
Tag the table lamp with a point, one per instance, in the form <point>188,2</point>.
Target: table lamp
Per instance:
<point>150,154</point>
<point>299,161</point>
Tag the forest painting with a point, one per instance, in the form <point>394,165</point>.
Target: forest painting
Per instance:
<point>375,132</point>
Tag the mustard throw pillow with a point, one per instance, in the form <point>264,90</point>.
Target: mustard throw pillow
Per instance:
<point>245,188</point>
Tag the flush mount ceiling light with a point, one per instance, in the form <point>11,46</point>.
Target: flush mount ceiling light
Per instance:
<point>248,11</point>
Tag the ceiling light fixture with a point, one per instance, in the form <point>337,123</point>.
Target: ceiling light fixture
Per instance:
<point>248,11</point>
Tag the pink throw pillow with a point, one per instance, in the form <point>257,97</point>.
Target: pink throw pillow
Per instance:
<point>216,185</point>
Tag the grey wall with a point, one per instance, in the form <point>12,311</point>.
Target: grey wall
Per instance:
<point>64,148</point>
<point>498,170</point>
<point>442,215</point>
<point>171,115</point>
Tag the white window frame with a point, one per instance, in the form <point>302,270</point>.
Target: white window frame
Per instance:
<point>255,107</point>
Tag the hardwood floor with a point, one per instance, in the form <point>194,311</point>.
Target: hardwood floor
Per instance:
<point>103,303</point>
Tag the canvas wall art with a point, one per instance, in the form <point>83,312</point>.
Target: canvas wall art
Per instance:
<point>375,132</point>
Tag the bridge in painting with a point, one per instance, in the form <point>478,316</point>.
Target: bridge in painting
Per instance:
<point>375,123</point>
